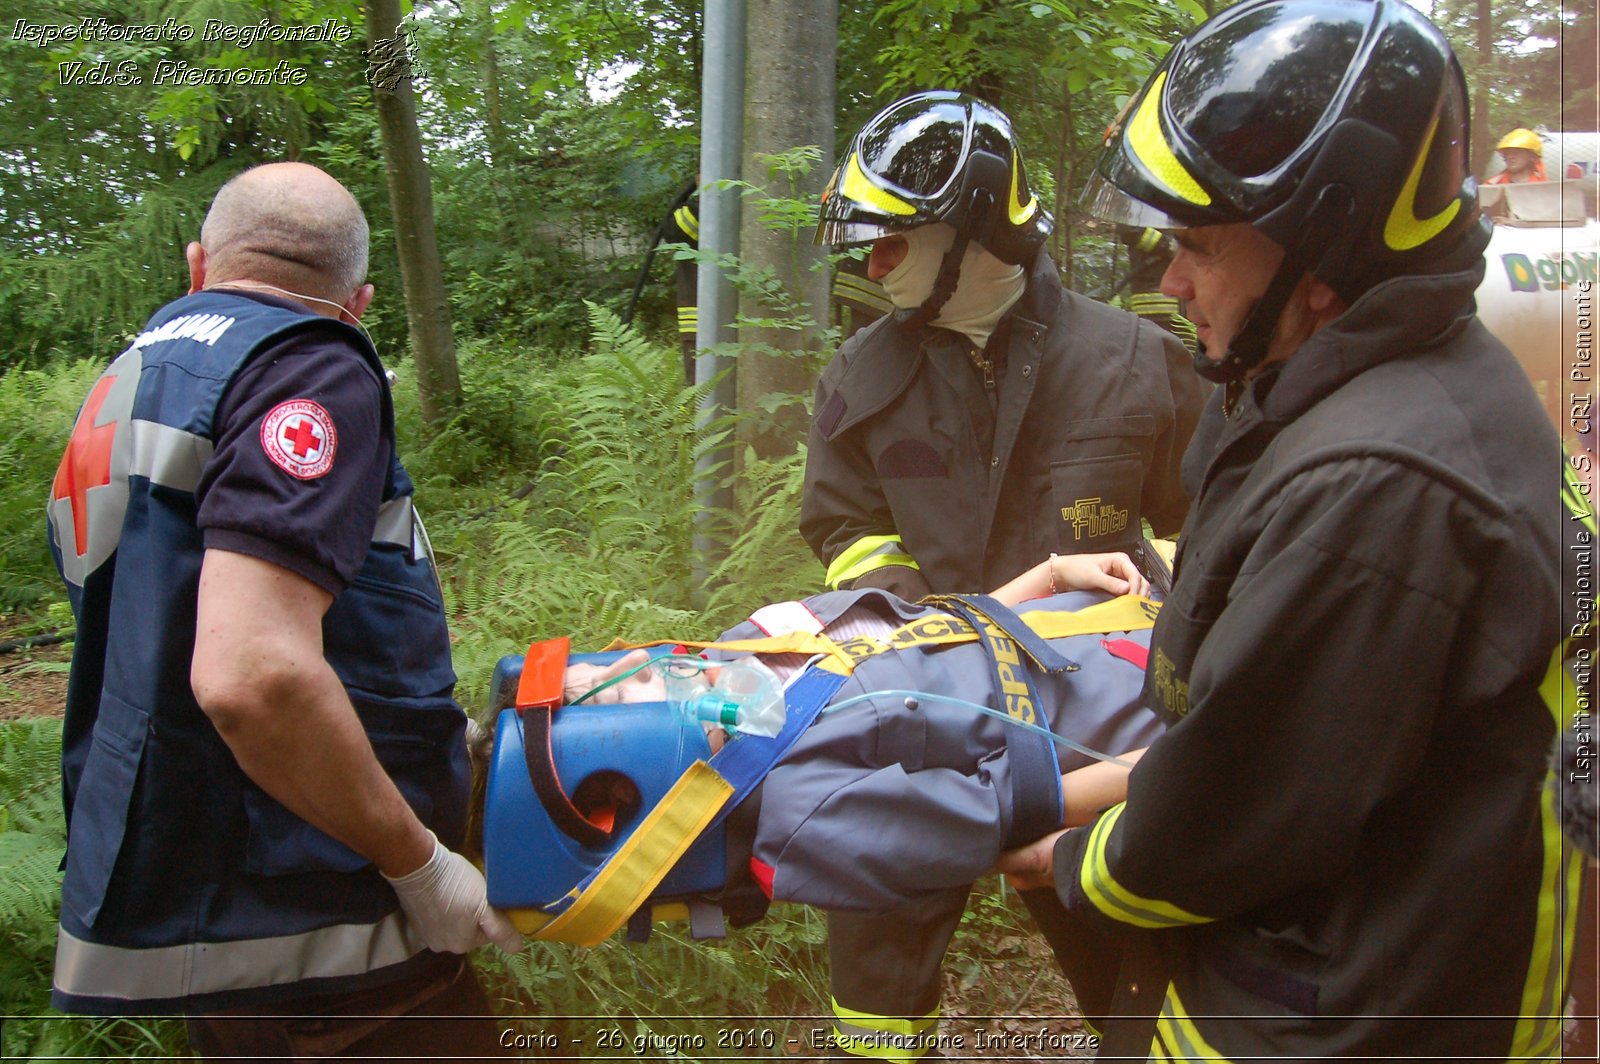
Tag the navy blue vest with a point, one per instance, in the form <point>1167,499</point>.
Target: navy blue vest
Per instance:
<point>187,886</point>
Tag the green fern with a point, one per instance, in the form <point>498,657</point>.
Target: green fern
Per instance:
<point>29,878</point>
<point>769,561</point>
<point>30,779</point>
<point>37,409</point>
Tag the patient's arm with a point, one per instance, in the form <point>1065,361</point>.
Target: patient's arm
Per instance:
<point>1086,791</point>
<point>1114,572</point>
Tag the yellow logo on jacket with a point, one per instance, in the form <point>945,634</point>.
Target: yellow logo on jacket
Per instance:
<point>1093,518</point>
<point>1173,691</point>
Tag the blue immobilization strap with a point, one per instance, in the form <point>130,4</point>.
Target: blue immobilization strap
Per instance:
<point>1035,770</point>
<point>745,761</point>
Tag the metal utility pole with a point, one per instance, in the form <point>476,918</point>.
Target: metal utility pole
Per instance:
<point>721,141</point>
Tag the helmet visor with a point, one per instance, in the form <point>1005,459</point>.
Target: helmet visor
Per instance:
<point>919,154</point>
<point>1103,199</point>
<point>844,232</point>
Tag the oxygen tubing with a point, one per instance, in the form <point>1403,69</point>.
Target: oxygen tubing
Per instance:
<point>612,682</point>
<point>917,696</point>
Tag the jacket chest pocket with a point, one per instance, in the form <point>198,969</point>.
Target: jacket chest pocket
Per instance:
<point>1094,503</point>
<point>1095,488</point>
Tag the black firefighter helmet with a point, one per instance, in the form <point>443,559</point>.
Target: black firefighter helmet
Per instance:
<point>936,157</point>
<point>1338,128</point>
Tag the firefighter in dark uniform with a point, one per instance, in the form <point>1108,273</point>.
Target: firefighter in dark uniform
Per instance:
<point>857,300</point>
<point>993,419</point>
<point>1347,843</point>
<point>1149,253</point>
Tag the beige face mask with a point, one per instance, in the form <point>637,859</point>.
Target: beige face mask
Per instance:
<point>986,289</point>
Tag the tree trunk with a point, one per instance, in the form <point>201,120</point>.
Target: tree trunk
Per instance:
<point>411,201</point>
<point>789,101</point>
<point>1065,174</point>
<point>1482,132</point>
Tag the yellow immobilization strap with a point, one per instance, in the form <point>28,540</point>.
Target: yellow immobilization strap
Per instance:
<point>805,643</point>
<point>1127,613</point>
<point>605,902</point>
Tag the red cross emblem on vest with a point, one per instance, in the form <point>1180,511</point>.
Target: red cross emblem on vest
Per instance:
<point>87,462</point>
<point>299,438</point>
<point>89,495</point>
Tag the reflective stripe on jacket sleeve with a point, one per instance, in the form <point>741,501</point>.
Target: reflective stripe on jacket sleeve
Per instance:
<point>864,555</point>
<point>1093,880</point>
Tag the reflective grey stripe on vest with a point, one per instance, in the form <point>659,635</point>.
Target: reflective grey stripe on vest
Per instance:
<point>396,524</point>
<point>167,456</point>
<point>175,458</point>
<point>90,970</point>
<point>400,524</point>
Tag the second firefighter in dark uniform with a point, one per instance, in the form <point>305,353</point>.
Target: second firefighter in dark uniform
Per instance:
<point>994,418</point>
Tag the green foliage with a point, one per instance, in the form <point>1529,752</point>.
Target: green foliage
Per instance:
<point>768,561</point>
<point>33,835</point>
<point>776,968</point>
<point>1529,76</point>
<point>1062,69</point>
<point>105,183</point>
<point>553,153</point>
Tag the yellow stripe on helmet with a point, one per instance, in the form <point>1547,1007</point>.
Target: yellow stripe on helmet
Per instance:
<point>1150,147</point>
<point>1404,230</point>
<point>857,186</point>
<point>1020,212</point>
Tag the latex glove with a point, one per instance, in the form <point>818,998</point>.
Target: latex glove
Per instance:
<point>447,903</point>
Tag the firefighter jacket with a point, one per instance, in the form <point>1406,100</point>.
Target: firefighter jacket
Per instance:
<point>880,805</point>
<point>1072,434</point>
<point>1348,831</point>
<point>187,887</point>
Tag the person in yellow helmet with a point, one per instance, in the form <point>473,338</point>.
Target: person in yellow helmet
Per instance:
<point>1523,153</point>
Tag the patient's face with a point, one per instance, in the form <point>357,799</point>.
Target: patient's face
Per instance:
<point>643,685</point>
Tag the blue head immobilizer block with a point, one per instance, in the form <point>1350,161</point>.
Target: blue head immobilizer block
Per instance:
<point>640,747</point>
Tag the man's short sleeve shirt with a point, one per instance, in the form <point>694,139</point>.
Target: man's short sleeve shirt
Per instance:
<point>302,455</point>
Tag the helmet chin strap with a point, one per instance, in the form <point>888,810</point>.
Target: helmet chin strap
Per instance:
<point>979,224</point>
<point>1249,349</point>
<point>944,285</point>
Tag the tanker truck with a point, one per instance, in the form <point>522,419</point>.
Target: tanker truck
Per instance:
<point>1538,293</point>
